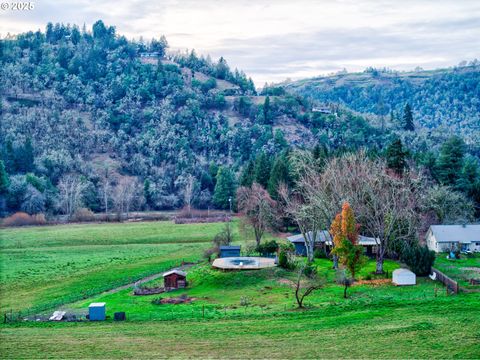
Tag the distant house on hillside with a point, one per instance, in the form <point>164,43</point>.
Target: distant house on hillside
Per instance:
<point>323,237</point>
<point>321,109</point>
<point>150,55</point>
<point>443,238</point>
<point>149,58</point>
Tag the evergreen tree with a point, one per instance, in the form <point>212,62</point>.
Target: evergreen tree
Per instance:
<point>224,189</point>
<point>280,141</point>
<point>10,162</point>
<point>469,181</point>
<point>320,155</point>
<point>213,171</point>
<point>408,118</point>
<point>279,174</point>
<point>206,181</point>
<point>3,178</point>
<point>450,161</point>
<point>222,69</point>
<point>23,157</point>
<point>248,174</point>
<point>266,111</point>
<point>396,156</point>
<point>262,169</point>
<point>469,177</point>
<point>147,192</point>
<point>392,117</point>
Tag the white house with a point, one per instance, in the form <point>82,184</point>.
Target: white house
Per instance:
<point>443,238</point>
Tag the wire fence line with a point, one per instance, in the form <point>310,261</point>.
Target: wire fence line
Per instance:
<point>194,311</point>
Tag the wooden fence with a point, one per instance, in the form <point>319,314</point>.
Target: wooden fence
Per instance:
<point>451,284</point>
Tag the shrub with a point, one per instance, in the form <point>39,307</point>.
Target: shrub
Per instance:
<point>244,301</point>
<point>23,219</point>
<point>269,247</point>
<point>84,214</point>
<point>286,258</point>
<point>208,253</point>
<point>319,254</point>
<point>420,259</point>
<point>250,248</point>
<point>310,271</point>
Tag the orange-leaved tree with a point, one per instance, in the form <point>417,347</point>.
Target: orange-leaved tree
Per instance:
<point>345,238</point>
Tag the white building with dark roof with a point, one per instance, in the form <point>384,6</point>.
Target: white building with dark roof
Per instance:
<point>443,238</point>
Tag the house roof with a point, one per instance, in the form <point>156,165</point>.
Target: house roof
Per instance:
<point>324,236</point>
<point>175,271</point>
<point>456,233</point>
<point>230,247</point>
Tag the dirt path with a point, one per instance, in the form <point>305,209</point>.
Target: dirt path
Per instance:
<point>144,280</point>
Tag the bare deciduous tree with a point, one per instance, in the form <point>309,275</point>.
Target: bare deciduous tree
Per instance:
<point>125,194</point>
<point>305,285</point>
<point>386,204</point>
<point>189,192</point>
<point>71,189</point>
<point>305,215</point>
<point>258,209</point>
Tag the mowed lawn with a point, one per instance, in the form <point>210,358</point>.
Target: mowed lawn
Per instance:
<point>444,328</point>
<point>43,267</point>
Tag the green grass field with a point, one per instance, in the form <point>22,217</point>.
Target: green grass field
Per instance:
<point>70,266</point>
<point>42,267</point>
<point>460,270</point>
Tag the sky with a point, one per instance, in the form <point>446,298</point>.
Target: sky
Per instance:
<point>275,40</point>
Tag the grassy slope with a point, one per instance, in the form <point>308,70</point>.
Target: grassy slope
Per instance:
<point>42,267</point>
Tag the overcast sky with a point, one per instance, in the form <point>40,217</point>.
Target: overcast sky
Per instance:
<point>274,40</point>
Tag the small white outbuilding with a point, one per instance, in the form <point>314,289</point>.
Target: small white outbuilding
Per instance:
<point>403,277</point>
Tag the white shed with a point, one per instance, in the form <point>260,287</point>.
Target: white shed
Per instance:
<point>403,277</point>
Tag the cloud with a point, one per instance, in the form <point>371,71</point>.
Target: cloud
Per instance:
<point>271,40</point>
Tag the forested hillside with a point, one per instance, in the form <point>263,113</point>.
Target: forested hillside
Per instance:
<point>92,120</point>
<point>93,108</point>
<point>445,99</point>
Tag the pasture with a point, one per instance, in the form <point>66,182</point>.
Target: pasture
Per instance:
<point>43,267</point>
<point>238,314</point>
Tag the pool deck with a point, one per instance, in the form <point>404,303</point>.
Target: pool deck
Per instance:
<point>260,263</point>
